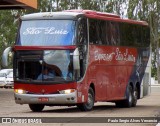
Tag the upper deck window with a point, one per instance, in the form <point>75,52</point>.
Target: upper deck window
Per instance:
<point>47,33</point>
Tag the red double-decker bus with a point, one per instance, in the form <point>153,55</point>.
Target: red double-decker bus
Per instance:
<point>79,57</point>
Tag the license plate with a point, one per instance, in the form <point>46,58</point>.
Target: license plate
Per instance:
<point>43,99</point>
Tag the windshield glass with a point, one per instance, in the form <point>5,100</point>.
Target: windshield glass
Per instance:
<point>10,75</point>
<point>53,66</point>
<point>2,75</point>
<point>59,61</point>
<point>47,33</point>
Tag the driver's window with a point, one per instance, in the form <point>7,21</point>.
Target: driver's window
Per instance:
<point>82,44</point>
<point>82,32</point>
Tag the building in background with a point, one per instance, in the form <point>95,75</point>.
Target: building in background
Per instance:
<point>18,4</point>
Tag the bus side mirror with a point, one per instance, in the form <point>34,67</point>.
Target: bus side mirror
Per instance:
<point>5,56</point>
<point>76,61</point>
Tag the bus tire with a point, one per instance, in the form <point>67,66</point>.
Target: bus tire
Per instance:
<point>129,100</point>
<point>135,97</point>
<point>90,102</point>
<point>36,107</point>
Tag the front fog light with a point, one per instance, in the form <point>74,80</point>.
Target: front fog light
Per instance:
<point>68,91</point>
<point>20,91</point>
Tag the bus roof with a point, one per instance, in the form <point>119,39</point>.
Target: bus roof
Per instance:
<point>73,14</point>
<point>92,12</point>
<point>107,16</point>
<point>51,15</point>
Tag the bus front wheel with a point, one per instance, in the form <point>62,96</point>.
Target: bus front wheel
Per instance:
<point>90,102</point>
<point>36,107</point>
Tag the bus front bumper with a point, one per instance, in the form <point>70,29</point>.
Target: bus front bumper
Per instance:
<point>52,99</point>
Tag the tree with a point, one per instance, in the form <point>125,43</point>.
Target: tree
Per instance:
<point>8,29</point>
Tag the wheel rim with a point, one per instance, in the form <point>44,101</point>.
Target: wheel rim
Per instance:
<point>135,94</point>
<point>130,97</point>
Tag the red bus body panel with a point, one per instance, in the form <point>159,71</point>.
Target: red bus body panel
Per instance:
<point>110,68</point>
<point>44,88</point>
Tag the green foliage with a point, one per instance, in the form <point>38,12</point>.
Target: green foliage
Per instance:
<point>153,70</point>
<point>8,29</point>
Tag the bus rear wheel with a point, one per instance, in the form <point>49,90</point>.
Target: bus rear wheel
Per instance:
<point>135,97</point>
<point>129,99</point>
<point>90,102</point>
<point>36,107</point>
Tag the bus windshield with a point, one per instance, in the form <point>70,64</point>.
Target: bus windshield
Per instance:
<point>46,33</point>
<point>52,66</point>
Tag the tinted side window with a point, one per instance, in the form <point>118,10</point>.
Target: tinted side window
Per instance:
<point>134,35</point>
<point>93,37</point>
<point>115,33</point>
<point>137,35</point>
<point>82,32</point>
<point>127,34</point>
<point>146,36</point>
<point>104,32</point>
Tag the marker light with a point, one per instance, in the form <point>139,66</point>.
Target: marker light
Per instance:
<point>68,91</point>
<point>20,91</point>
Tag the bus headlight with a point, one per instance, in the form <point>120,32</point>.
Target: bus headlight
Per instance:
<point>20,91</point>
<point>68,91</point>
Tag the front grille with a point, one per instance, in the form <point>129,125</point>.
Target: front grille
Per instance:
<point>57,92</point>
